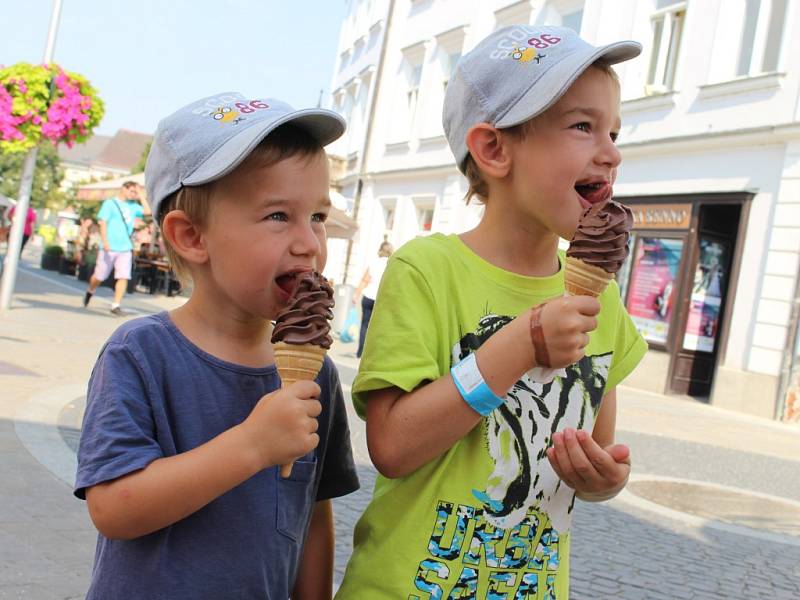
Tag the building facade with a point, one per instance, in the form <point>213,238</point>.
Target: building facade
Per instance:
<point>711,167</point>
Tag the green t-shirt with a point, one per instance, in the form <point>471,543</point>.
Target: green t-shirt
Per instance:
<point>489,518</point>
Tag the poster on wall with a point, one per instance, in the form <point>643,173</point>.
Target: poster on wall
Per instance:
<point>703,319</point>
<point>651,294</point>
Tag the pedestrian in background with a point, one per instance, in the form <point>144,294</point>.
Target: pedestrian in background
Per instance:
<point>118,218</point>
<point>367,290</point>
<point>30,219</point>
<point>186,423</point>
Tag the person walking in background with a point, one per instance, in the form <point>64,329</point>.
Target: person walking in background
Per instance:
<point>30,219</point>
<point>367,290</point>
<point>118,219</point>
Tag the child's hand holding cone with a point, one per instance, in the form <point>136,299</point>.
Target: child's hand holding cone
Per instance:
<point>560,328</point>
<point>301,336</point>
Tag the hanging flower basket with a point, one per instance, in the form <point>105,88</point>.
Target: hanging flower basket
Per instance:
<point>44,102</point>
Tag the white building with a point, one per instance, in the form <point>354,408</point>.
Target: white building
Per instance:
<point>711,166</point>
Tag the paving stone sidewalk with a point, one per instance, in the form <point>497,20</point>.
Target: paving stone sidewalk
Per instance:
<point>620,550</point>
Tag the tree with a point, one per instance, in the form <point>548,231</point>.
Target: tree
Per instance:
<point>46,178</point>
<point>139,168</point>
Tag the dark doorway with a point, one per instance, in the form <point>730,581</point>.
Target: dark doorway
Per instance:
<point>699,328</point>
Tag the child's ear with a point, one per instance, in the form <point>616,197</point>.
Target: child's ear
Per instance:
<point>184,236</point>
<point>489,150</point>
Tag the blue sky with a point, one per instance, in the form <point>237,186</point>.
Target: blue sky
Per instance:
<point>149,57</point>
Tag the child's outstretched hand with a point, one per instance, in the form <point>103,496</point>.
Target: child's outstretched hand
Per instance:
<point>283,425</point>
<point>594,473</point>
<point>566,323</point>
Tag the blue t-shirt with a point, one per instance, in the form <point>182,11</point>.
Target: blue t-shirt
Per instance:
<point>119,217</point>
<point>154,394</point>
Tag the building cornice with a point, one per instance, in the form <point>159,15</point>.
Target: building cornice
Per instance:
<point>746,136</point>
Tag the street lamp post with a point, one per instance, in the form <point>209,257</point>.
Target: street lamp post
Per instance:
<point>25,185</point>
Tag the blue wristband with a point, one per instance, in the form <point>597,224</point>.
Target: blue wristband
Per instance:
<point>473,388</point>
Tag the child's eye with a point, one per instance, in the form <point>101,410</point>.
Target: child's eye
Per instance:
<point>319,217</point>
<point>276,216</point>
<point>614,136</point>
<point>584,126</point>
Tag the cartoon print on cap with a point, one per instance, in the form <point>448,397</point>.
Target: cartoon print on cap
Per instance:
<point>225,114</point>
<point>526,55</point>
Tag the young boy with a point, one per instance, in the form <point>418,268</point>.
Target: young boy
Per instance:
<point>185,426</point>
<point>484,473</point>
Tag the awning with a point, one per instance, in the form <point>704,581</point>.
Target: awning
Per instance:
<point>338,225</point>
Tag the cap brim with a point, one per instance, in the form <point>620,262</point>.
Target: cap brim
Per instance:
<point>559,78</point>
<point>324,125</point>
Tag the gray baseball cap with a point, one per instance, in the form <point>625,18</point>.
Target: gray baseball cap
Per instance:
<point>209,138</point>
<point>516,73</point>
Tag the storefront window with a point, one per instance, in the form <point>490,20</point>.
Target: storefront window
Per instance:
<point>651,292</point>
<point>709,281</point>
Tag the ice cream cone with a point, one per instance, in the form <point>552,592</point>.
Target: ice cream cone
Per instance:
<point>583,279</point>
<point>297,362</point>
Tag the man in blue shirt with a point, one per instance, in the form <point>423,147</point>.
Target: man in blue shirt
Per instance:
<point>118,218</point>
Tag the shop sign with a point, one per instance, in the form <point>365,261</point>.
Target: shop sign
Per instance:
<point>661,216</point>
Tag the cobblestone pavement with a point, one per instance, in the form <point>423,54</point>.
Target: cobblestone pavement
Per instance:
<point>622,551</point>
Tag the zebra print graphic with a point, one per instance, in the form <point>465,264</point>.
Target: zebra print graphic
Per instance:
<point>519,432</point>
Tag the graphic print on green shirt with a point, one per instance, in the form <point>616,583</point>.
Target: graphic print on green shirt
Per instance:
<point>519,432</point>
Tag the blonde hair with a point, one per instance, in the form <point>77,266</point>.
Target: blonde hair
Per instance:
<point>196,201</point>
<point>478,187</point>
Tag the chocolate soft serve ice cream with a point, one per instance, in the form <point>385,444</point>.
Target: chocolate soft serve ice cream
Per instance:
<point>301,336</point>
<point>598,248</point>
<point>306,319</point>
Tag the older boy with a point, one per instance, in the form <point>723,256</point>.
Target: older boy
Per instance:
<point>185,424</point>
<point>481,455</point>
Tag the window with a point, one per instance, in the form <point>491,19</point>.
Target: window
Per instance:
<point>450,66</point>
<point>667,24</point>
<point>413,92</point>
<point>407,98</point>
<point>389,207</point>
<point>573,20</point>
<point>449,44</point>
<point>425,211</point>
<point>762,34</point>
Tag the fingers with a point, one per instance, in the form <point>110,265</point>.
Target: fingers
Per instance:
<point>583,465</point>
<point>586,305</point>
<point>304,389</point>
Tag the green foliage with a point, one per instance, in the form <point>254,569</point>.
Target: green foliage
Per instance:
<point>139,168</point>
<point>88,210</point>
<point>46,179</point>
<point>53,250</point>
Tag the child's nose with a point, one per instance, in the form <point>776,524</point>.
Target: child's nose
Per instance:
<point>609,154</point>
<point>305,242</point>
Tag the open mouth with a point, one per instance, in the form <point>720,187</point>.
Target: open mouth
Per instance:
<point>594,193</point>
<point>287,283</point>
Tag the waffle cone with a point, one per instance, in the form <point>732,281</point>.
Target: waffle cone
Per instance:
<point>298,362</point>
<point>583,279</point>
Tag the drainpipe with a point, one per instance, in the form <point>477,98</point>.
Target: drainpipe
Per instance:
<point>362,158</point>
<point>790,352</point>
